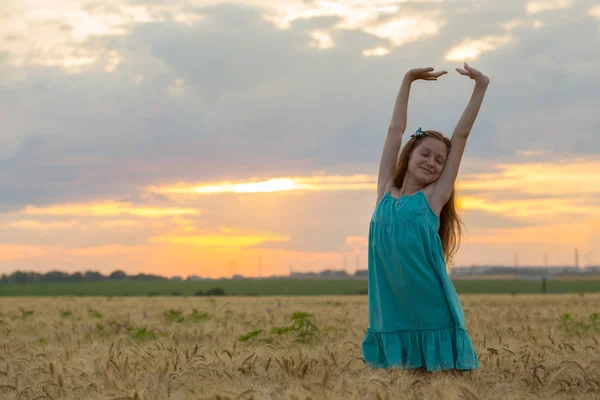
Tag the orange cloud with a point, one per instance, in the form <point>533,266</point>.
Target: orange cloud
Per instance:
<point>224,262</point>
<point>227,238</point>
<point>575,235</point>
<point>357,240</point>
<point>311,183</point>
<point>119,223</point>
<point>40,225</point>
<point>105,250</point>
<point>575,176</point>
<point>556,178</point>
<point>14,252</point>
<point>108,209</point>
<point>551,189</point>
<point>530,208</point>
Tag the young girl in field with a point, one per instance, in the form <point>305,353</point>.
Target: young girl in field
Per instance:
<point>415,318</point>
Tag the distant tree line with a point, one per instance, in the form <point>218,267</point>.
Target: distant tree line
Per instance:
<point>88,276</point>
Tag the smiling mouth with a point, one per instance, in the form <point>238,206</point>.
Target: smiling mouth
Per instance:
<point>426,170</point>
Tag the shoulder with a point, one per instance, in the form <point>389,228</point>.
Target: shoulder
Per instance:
<point>435,202</point>
<point>388,186</point>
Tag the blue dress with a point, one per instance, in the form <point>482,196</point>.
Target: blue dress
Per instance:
<point>415,317</point>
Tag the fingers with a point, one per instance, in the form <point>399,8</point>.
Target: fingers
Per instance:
<point>462,71</point>
<point>423,70</point>
<point>438,74</point>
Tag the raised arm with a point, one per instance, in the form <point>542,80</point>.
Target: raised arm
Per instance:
<point>445,183</point>
<point>393,141</point>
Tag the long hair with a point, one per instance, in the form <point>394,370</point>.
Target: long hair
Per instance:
<point>450,230</point>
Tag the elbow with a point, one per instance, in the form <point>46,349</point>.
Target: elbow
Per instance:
<point>396,130</point>
<point>461,134</point>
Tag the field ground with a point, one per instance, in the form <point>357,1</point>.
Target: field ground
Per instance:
<point>189,348</point>
<point>279,287</point>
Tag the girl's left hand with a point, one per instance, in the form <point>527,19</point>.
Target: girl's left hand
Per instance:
<point>473,74</point>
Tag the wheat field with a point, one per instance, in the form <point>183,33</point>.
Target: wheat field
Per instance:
<point>529,347</point>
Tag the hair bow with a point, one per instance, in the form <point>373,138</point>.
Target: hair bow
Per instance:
<point>418,133</point>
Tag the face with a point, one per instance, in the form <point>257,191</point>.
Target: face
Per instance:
<point>427,160</point>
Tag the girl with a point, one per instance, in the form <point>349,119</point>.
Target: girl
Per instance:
<point>415,317</point>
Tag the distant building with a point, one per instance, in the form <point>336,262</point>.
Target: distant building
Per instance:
<point>333,273</point>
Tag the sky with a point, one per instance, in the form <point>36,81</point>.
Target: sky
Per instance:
<point>209,138</point>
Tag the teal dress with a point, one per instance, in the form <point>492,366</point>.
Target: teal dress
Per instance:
<point>415,317</point>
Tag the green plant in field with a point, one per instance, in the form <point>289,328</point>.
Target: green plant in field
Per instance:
<point>143,334</point>
<point>301,326</point>
<point>94,314</point>
<point>571,325</point>
<point>26,313</point>
<point>197,316</point>
<point>174,316</point>
<point>66,313</point>
<point>250,335</point>
<point>177,316</point>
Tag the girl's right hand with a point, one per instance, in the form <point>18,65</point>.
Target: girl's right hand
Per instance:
<point>426,74</point>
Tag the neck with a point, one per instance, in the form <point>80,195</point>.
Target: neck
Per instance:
<point>410,185</point>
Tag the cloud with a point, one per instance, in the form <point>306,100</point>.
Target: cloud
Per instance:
<point>40,225</point>
<point>520,23</point>
<point>270,117</point>
<point>228,238</point>
<point>298,184</point>
<point>537,6</point>
<point>60,36</point>
<point>14,252</point>
<point>574,235</point>
<point>577,178</point>
<point>105,251</point>
<point>107,209</point>
<point>321,40</point>
<point>530,153</point>
<point>164,110</point>
<point>470,49</point>
<point>595,12</point>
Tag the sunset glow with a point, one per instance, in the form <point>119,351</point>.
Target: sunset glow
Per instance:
<point>106,209</point>
<point>318,183</point>
<point>216,137</point>
<point>470,49</point>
